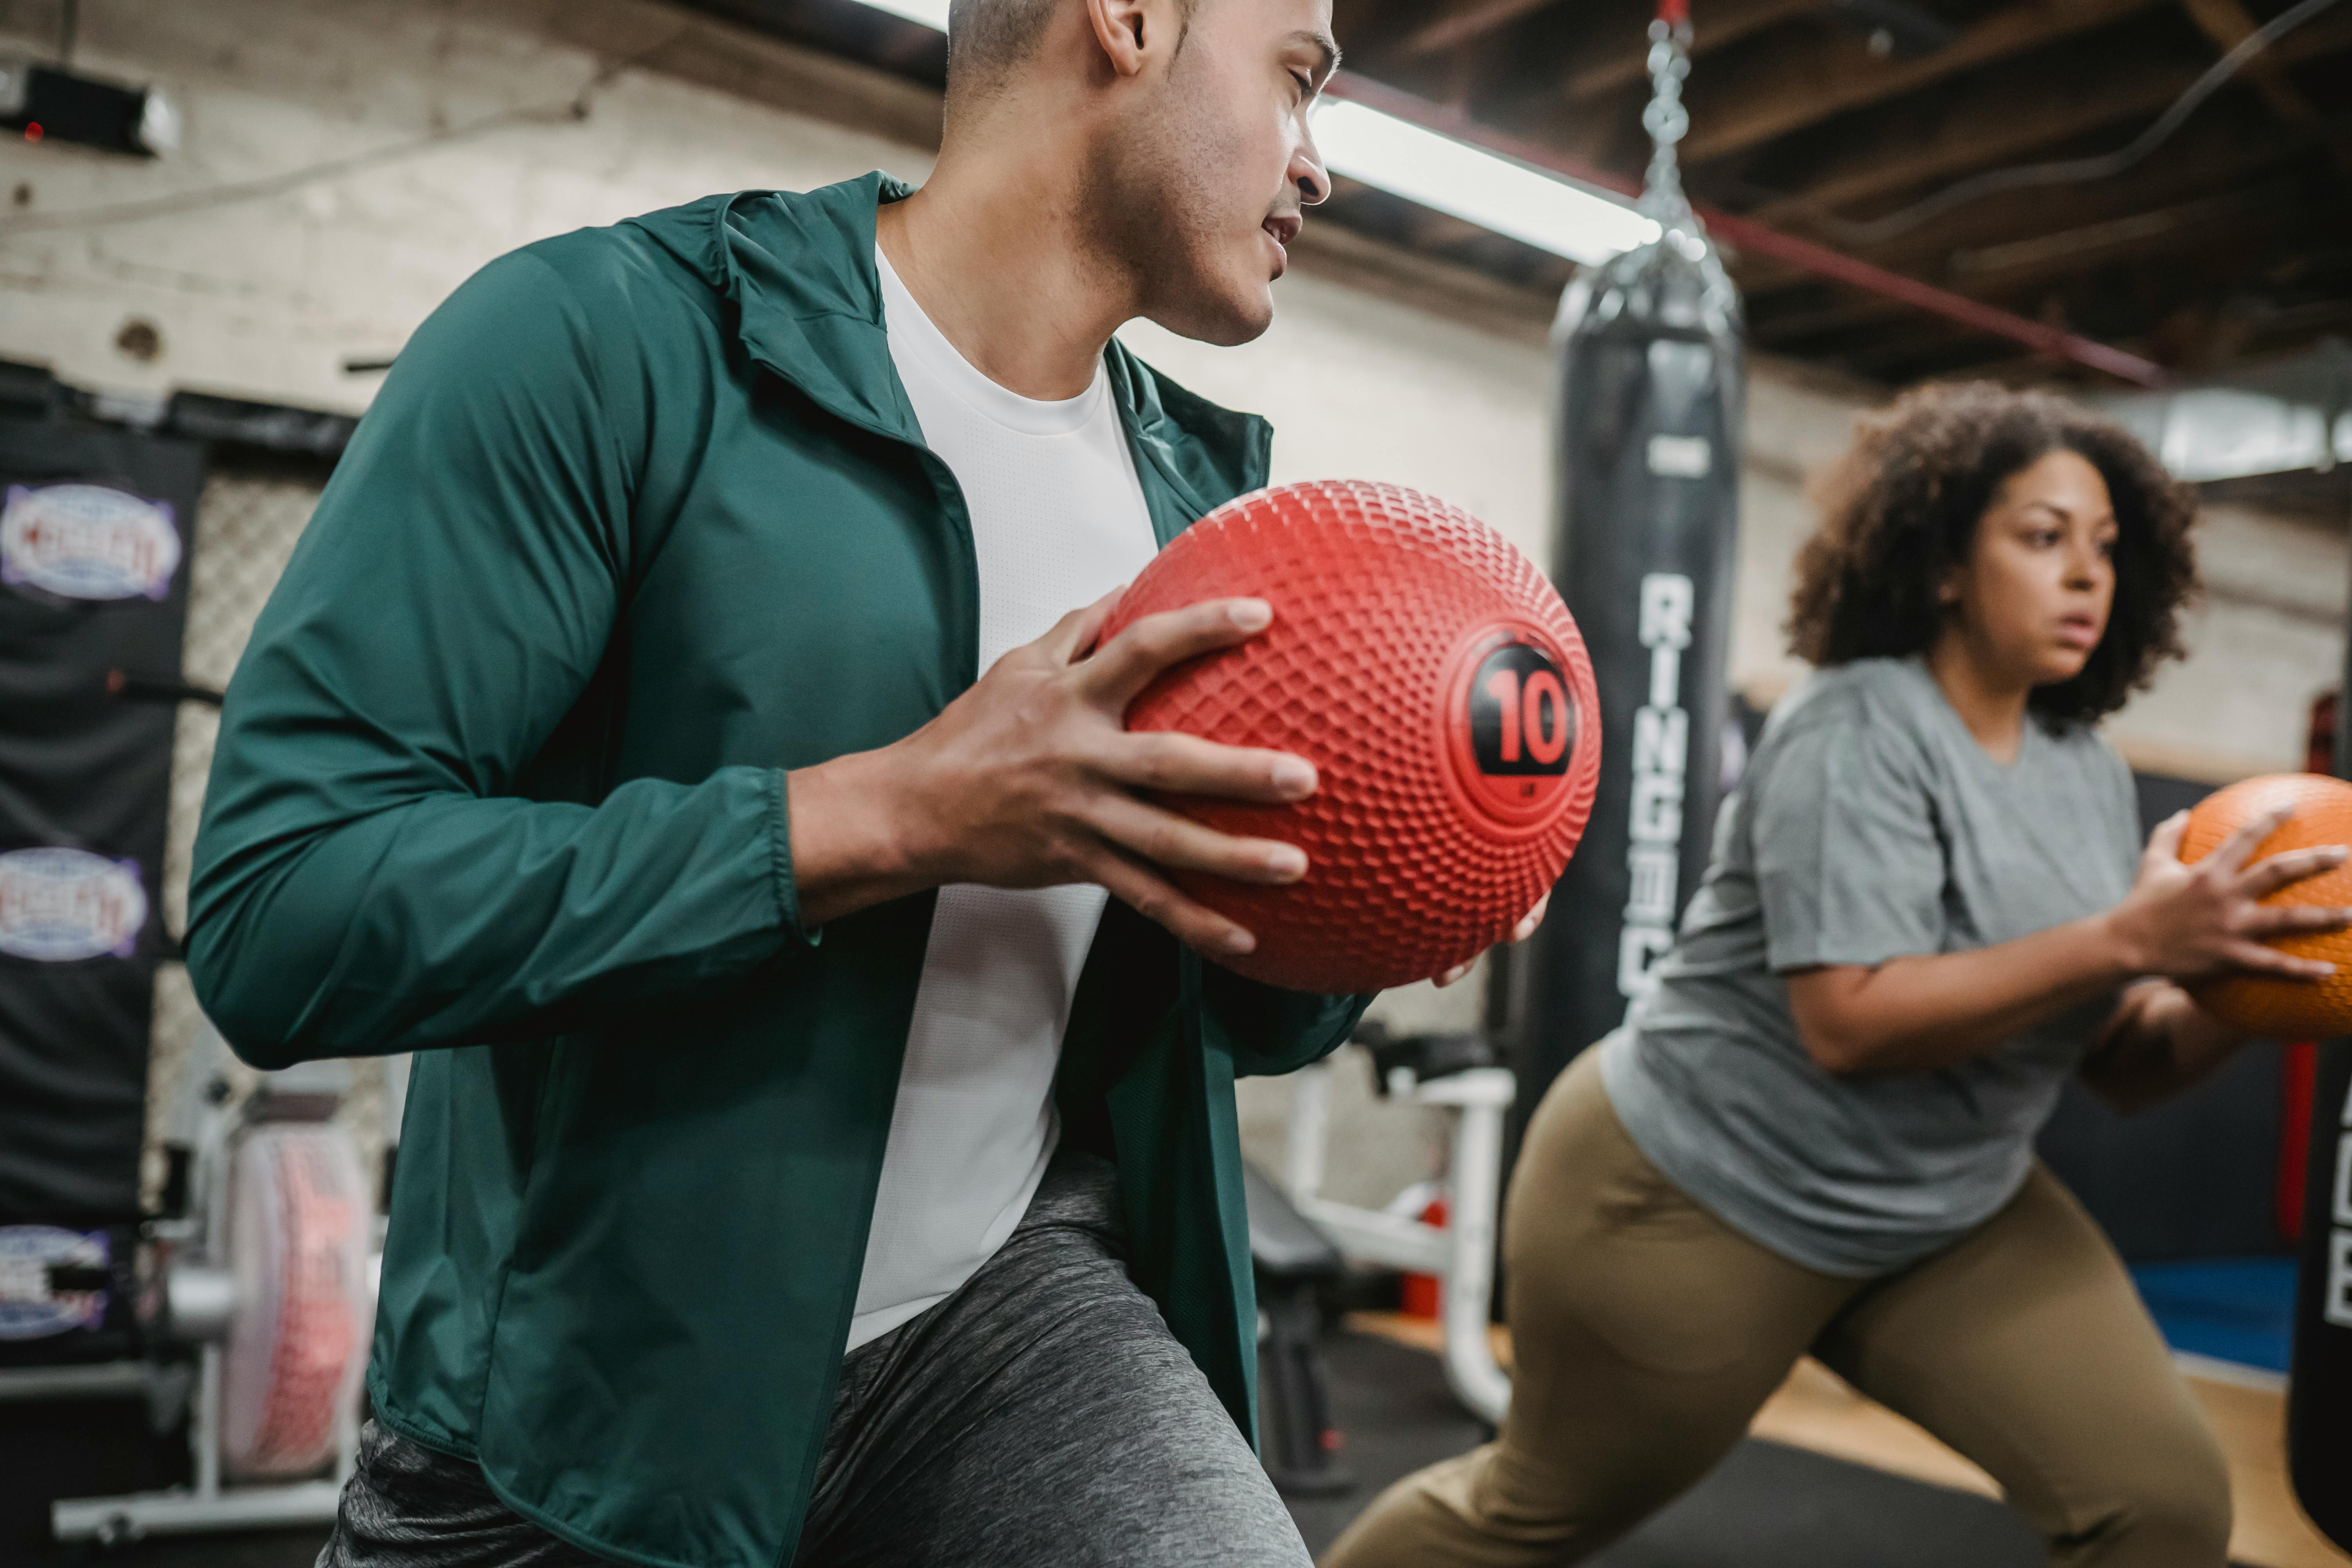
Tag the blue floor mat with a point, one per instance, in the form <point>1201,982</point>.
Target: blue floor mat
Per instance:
<point>2231,1309</point>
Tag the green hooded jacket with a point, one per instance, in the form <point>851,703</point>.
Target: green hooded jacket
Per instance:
<point>641,519</point>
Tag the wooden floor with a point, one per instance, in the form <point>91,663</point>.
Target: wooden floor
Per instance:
<point>1818,1410</point>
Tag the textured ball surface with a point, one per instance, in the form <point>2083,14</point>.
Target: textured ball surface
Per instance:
<point>2284,1009</point>
<point>1441,689</point>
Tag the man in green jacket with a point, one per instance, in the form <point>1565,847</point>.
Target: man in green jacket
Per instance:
<point>803,1161</point>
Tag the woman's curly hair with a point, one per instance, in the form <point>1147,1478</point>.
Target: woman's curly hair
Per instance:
<point>1901,509</point>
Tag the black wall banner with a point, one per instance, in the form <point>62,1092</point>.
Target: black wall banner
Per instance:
<point>1646,519</point>
<point>95,535</point>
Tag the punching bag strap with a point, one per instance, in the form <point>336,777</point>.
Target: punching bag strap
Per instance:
<point>1666,118</point>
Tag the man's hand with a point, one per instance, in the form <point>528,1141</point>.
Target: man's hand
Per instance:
<point>1030,779</point>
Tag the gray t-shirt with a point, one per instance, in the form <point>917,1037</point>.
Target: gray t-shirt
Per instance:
<point>1870,825</point>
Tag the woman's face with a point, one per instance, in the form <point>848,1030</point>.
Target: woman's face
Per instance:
<point>2031,601</point>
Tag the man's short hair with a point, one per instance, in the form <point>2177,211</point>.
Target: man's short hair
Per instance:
<point>987,39</point>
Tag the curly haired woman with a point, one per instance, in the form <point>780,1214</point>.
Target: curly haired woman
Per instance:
<point>1927,906</point>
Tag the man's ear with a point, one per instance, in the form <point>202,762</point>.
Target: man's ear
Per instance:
<point>1131,32</point>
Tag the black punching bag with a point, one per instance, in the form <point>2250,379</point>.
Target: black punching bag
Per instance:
<point>1646,518</point>
<point>2319,1391</point>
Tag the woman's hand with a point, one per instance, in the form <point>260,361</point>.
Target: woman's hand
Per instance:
<point>2156,1043</point>
<point>2185,922</point>
<point>1520,932</point>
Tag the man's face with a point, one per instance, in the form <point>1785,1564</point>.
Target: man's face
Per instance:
<point>1199,185</point>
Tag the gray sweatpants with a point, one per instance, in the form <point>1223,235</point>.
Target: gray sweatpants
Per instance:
<point>1043,1414</point>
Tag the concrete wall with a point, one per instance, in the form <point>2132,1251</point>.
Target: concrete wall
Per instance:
<point>2266,638</point>
<point>347,162</point>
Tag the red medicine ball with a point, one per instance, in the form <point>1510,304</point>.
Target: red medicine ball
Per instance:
<point>1438,685</point>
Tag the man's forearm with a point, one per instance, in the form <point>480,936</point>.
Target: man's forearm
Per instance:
<point>848,851</point>
<point>452,919</point>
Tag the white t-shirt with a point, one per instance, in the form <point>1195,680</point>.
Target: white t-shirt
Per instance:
<point>1058,522</point>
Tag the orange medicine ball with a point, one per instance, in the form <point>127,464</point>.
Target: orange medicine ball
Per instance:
<point>2281,1008</point>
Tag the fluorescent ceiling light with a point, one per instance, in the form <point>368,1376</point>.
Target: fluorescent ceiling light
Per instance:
<point>1475,186</point>
<point>1469,182</point>
<point>2210,433</point>
<point>930,13</point>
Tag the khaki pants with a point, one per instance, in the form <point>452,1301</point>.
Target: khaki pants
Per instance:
<point>1648,1333</point>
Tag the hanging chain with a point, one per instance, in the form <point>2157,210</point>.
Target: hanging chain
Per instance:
<point>1666,118</point>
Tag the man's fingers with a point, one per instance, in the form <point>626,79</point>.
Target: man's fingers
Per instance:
<point>1074,632</point>
<point>2234,851</point>
<point>1187,764</point>
<point>1164,838</point>
<point>1124,664</point>
<point>1154,899</point>
<point>2267,875</point>
<point>1451,975</point>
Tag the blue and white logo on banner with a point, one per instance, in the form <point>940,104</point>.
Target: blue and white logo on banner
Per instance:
<point>88,541</point>
<point>31,1307</point>
<point>58,905</point>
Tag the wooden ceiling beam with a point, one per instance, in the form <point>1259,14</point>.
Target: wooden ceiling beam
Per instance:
<point>2227,23</point>
<point>1467,26</point>
<point>1564,99</point>
<point>1912,350</point>
<point>1799,81</point>
<point>1985,264</point>
<point>1999,122</point>
<point>2253,216</point>
<point>2219,158</point>
<point>1364,26</point>
<point>2087,244</point>
<point>1901,353</point>
<point>2012,114</point>
<point>1713,24</point>
<point>2305,321</point>
<point>1778,328</point>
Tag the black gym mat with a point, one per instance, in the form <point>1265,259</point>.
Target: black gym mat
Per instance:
<point>103,1447</point>
<point>256,1549</point>
<point>1767,1505</point>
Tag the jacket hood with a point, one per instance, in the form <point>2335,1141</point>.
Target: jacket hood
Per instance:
<point>798,269</point>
